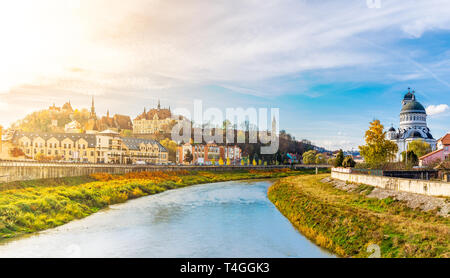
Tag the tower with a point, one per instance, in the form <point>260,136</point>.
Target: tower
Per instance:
<point>159,105</point>
<point>93,109</point>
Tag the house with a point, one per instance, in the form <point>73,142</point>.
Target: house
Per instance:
<point>441,154</point>
<point>103,147</point>
<point>209,154</point>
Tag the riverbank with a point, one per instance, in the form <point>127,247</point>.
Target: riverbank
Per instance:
<point>31,206</point>
<point>347,223</point>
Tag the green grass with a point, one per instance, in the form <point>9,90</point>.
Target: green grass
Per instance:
<point>348,222</point>
<point>31,206</point>
<point>66,181</point>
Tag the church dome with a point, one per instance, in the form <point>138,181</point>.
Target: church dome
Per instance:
<point>392,129</point>
<point>409,96</point>
<point>415,134</point>
<point>413,106</point>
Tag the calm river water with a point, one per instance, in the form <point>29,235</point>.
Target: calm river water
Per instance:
<point>228,219</point>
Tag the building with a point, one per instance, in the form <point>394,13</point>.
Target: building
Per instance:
<point>117,122</point>
<point>144,150</point>
<point>208,154</point>
<point>413,125</point>
<point>441,154</point>
<point>60,146</point>
<point>159,120</point>
<point>103,147</point>
<point>73,127</point>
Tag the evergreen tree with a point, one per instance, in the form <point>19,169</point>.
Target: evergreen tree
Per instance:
<point>339,159</point>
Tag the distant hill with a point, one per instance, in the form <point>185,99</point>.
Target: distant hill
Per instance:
<point>50,120</point>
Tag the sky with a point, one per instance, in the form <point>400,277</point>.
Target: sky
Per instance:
<point>330,67</point>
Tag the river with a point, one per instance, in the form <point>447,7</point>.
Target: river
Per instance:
<point>228,219</point>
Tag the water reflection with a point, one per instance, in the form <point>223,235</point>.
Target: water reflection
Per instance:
<point>229,219</point>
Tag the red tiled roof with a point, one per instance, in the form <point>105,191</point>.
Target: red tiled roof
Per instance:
<point>428,154</point>
<point>445,139</point>
<point>162,114</point>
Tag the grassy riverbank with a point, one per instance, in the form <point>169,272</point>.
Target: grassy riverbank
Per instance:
<point>347,223</point>
<point>31,206</point>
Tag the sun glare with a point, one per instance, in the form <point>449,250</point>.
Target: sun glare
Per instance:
<point>38,38</point>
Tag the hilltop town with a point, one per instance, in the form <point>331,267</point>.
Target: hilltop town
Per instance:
<point>64,133</point>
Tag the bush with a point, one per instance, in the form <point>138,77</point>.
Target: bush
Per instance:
<point>330,161</point>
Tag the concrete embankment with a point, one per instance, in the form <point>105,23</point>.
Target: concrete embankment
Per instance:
<point>425,187</point>
<point>16,171</point>
<point>352,224</point>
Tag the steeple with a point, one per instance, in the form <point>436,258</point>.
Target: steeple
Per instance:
<point>159,105</point>
<point>93,109</point>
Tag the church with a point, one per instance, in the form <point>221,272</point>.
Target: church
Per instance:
<point>159,120</point>
<point>413,125</point>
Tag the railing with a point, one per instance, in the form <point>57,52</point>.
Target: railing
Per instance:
<point>407,174</point>
<point>371,172</point>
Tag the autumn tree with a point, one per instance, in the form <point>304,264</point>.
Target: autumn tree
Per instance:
<point>171,147</point>
<point>16,152</point>
<point>188,157</point>
<point>419,147</point>
<point>309,157</point>
<point>319,159</point>
<point>378,150</point>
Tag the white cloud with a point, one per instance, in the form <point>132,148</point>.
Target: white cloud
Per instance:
<point>238,43</point>
<point>433,110</point>
<point>247,46</point>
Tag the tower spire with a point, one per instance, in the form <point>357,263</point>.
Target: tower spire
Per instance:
<point>159,104</point>
<point>93,108</point>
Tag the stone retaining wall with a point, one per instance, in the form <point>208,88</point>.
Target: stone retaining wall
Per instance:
<point>425,187</point>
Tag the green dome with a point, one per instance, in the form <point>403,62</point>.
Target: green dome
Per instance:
<point>413,106</point>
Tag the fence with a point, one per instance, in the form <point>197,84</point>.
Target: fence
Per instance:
<point>411,174</point>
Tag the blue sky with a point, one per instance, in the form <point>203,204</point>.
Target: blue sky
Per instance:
<point>330,66</point>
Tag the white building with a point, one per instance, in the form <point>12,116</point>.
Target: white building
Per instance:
<point>413,125</point>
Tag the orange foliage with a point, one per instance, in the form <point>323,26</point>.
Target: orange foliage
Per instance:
<point>156,176</point>
<point>266,171</point>
<point>101,176</point>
